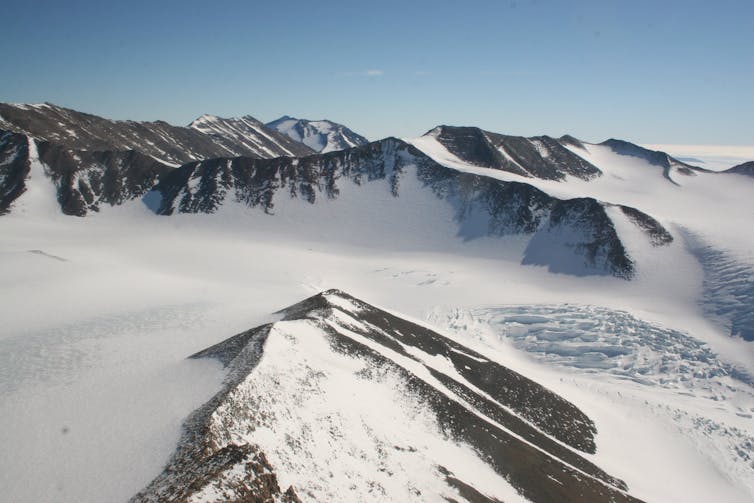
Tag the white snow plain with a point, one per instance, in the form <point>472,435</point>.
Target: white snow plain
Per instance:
<point>99,314</point>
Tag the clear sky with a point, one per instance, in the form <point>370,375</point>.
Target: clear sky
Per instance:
<point>656,71</point>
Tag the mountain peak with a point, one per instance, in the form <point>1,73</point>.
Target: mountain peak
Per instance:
<point>335,347</point>
<point>320,135</point>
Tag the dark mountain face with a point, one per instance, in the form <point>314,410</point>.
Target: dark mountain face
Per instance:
<point>94,161</point>
<point>246,134</point>
<point>170,144</point>
<point>322,135</point>
<point>746,168</point>
<point>14,168</point>
<point>527,434</point>
<point>661,159</point>
<point>84,180</point>
<point>87,179</point>
<point>505,208</point>
<point>538,157</point>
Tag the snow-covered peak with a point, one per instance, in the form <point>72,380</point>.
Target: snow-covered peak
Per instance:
<point>249,134</point>
<point>320,135</point>
<point>203,119</point>
<point>346,402</point>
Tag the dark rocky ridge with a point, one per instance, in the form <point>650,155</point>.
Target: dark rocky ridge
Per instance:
<point>248,134</point>
<point>541,468</point>
<point>87,179</point>
<point>14,168</point>
<point>658,234</point>
<point>171,144</point>
<point>507,207</point>
<point>656,157</point>
<point>746,168</point>
<point>199,462</point>
<point>539,157</point>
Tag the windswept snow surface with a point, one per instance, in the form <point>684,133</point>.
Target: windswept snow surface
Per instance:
<point>372,437</point>
<point>713,157</point>
<point>94,381</point>
<point>715,209</point>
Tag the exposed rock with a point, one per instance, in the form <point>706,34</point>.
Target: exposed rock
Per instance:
<point>746,168</point>
<point>14,168</point>
<point>538,157</point>
<point>516,426</point>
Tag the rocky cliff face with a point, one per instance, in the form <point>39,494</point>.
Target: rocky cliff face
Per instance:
<point>85,180</point>
<point>14,168</point>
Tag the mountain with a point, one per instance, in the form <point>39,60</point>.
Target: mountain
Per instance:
<point>322,136</point>
<point>168,144</point>
<point>94,161</point>
<point>576,236</point>
<point>506,360</point>
<point>543,157</point>
<point>81,181</point>
<point>246,134</point>
<point>746,168</point>
<point>669,165</point>
<point>539,157</point>
<point>322,402</point>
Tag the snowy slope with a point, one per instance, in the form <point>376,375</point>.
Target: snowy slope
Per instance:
<point>746,168</point>
<point>714,208</point>
<point>321,136</point>
<point>576,236</point>
<point>246,134</point>
<point>350,403</point>
<point>99,314</point>
<point>658,372</point>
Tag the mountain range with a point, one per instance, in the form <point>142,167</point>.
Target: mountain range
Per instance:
<point>172,239</point>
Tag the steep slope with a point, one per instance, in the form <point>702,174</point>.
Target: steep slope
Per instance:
<point>82,180</point>
<point>539,157</point>
<point>246,134</point>
<point>14,168</point>
<point>570,236</point>
<point>167,143</point>
<point>85,180</point>
<point>321,136</point>
<point>376,408</point>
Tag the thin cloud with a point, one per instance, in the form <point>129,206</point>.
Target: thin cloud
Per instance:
<point>373,72</point>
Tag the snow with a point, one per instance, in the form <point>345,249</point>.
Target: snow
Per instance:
<point>319,135</point>
<point>375,439</point>
<point>94,382</point>
<point>713,157</point>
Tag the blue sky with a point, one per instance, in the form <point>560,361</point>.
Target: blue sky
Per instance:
<point>646,71</point>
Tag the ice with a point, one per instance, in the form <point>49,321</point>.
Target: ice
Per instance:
<point>678,379</point>
<point>94,382</point>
